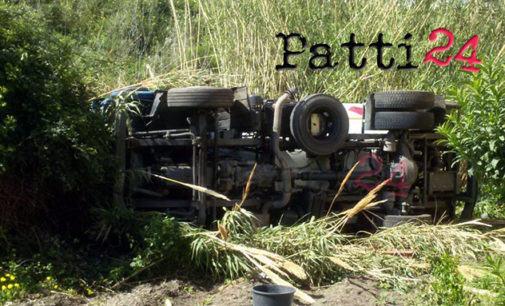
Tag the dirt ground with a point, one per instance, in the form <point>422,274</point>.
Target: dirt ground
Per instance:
<point>350,291</point>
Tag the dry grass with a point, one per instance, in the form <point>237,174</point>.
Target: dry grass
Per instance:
<point>315,252</point>
<point>399,255</point>
<point>237,45</point>
<point>402,252</point>
<point>194,187</point>
<point>247,186</point>
<point>342,185</point>
<point>361,207</point>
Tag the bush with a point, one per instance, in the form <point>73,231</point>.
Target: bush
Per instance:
<point>477,135</point>
<point>448,284</point>
<point>57,266</point>
<point>161,239</point>
<point>158,247</point>
<point>55,155</point>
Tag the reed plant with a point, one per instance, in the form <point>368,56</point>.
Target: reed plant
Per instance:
<point>234,42</point>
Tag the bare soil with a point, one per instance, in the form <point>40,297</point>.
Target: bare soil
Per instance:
<point>350,291</point>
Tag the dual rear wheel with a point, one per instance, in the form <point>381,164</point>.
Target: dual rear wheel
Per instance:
<point>402,110</point>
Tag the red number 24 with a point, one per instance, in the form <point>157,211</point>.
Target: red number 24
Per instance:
<point>471,43</point>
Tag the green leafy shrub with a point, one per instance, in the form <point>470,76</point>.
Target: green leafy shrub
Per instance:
<point>161,238</point>
<point>477,133</point>
<point>158,246</point>
<point>448,284</point>
<point>55,155</point>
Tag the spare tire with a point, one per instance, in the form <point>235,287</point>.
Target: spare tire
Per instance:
<point>319,124</point>
<point>403,100</point>
<point>404,121</point>
<point>200,97</point>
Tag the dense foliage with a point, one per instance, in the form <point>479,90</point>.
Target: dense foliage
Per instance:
<point>448,283</point>
<point>476,133</point>
<point>55,155</point>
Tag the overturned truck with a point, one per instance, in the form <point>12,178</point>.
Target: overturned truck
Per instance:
<point>213,137</point>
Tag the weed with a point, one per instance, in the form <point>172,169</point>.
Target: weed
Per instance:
<point>10,288</point>
<point>189,289</point>
<point>209,300</point>
<point>448,284</point>
<point>497,266</point>
<point>493,283</point>
<point>328,257</point>
<point>185,42</point>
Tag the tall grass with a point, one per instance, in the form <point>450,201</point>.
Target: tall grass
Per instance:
<point>234,42</point>
<point>242,40</point>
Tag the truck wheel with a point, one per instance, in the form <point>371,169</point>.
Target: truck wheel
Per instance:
<point>319,124</point>
<point>404,121</point>
<point>403,100</point>
<point>439,110</point>
<point>200,97</point>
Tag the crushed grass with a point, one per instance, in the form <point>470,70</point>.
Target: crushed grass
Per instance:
<point>317,253</point>
<point>396,255</point>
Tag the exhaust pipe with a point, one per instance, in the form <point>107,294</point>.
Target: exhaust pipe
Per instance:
<point>279,158</point>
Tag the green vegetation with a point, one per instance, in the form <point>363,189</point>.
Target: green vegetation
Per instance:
<point>10,288</point>
<point>161,246</point>
<point>493,281</point>
<point>183,42</point>
<point>61,267</point>
<point>448,283</point>
<point>426,259</point>
<point>47,133</point>
<point>153,246</point>
<point>476,134</point>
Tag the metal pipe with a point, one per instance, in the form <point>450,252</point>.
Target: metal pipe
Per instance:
<point>202,165</point>
<point>280,160</point>
<point>328,175</point>
<point>276,126</point>
<point>154,132</point>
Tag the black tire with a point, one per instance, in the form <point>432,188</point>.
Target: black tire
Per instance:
<point>336,122</point>
<point>200,97</point>
<point>439,110</point>
<point>451,106</point>
<point>472,190</point>
<point>394,220</point>
<point>403,100</point>
<point>424,121</point>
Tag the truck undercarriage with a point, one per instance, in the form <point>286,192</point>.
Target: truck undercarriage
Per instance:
<point>301,152</point>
